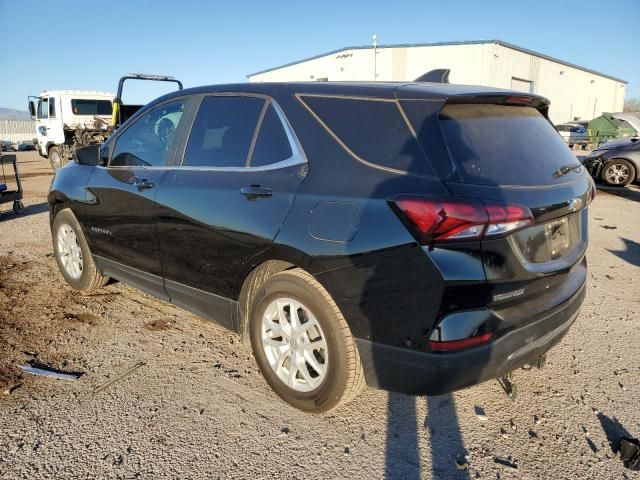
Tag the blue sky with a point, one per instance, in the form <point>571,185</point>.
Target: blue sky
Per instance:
<point>74,44</point>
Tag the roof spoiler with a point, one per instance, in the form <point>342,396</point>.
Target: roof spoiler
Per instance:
<point>439,75</point>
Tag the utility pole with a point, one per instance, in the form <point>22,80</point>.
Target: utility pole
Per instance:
<point>375,57</point>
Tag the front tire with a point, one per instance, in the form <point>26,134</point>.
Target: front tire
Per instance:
<point>72,253</point>
<point>303,344</point>
<point>618,173</point>
<point>55,158</point>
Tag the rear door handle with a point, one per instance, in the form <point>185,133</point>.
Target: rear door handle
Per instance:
<point>143,184</point>
<point>254,192</point>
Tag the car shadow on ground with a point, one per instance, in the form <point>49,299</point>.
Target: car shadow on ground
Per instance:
<point>8,214</point>
<point>630,192</point>
<point>440,431</point>
<point>630,253</point>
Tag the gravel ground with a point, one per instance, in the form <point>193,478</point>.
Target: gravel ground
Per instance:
<point>196,406</point>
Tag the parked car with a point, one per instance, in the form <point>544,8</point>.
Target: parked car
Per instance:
<point>26,146</point>
<point>616,162</point>
<point>424,237</point>
<point>573,134</point>
<point>8,146</point>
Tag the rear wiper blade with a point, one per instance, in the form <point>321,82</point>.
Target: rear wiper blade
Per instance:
<point>566,169</point>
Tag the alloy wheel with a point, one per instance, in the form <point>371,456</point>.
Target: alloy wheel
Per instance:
<point>617,173</point>
<point>294,344</point>
<point>55,158</point>
<point>69,251</point>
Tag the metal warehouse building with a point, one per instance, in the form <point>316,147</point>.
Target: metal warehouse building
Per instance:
<point>576,93</point>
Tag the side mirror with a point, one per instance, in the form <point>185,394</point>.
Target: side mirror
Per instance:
<point>89,155</point>
<point>32,109</point>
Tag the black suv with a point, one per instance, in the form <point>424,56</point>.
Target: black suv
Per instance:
<point>421,237</point>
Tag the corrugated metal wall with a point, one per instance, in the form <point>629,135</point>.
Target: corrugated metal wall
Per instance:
<point>17,130</point>
<point>575,94</point>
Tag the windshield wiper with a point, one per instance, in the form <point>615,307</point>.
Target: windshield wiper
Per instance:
<point>566,169</point>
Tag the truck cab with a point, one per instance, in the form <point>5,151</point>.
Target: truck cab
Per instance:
<point>68,119</point>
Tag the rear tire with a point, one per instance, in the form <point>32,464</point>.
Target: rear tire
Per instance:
<point>55,158</point>
<point>618,173</point>
<point>287,354</point>
<point>73,255</point>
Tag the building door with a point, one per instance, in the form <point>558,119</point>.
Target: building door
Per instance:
<point>521,85</point>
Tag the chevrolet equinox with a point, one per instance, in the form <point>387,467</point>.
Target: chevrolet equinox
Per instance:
<point>417,237</point>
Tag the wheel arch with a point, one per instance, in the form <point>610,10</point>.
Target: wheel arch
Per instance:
<point>252,283</point>
<point>57,201</point>
<point>48,146</point>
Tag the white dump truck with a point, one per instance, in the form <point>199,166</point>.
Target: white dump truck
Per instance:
<point>68,119</point>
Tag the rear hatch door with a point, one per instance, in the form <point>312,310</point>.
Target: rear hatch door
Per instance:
<point>498,147</point>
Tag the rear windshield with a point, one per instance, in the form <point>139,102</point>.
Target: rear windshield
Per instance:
<point>374,130</point>
<point>91,107</point>
<point>503,145</point>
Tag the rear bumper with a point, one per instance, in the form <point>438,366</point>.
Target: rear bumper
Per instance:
<point>425,373</point>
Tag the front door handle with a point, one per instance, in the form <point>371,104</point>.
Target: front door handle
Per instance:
<point>143,184</point>
<point>254,192</point>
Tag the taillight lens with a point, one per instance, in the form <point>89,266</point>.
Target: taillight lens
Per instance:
<point>450,220</point>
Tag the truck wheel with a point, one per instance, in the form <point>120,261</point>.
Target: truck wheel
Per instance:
<point>302,343</point>
<point>55,158</point>
<point>72,253</point>
<point>618,172</point>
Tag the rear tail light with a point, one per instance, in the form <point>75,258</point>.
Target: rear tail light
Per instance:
<point>450,220</point>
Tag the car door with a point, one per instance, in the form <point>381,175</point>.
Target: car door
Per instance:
<point>120,219</point>
<point>42,123</point>
<point>226,199</point>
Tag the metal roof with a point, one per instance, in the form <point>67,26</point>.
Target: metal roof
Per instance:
<point>78,92</point>
<point>441,44</point>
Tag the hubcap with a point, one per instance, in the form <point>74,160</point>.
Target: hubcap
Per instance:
<point>617,173</point>
<point>294,344</point>
<point>55,159</point>
<point>69,251</point>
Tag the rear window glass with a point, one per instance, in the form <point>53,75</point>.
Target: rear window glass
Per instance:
<point>222,131</point>
<point>503,145</point>
<point>91,107</point>
<point>373,130</point>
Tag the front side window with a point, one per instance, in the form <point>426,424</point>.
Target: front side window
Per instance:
<point>222,132</point>
<point>151,140</point>
<point>43,108</point>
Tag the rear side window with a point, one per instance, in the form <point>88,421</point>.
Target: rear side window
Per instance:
<point>91,107</point>
<point>503,145</point>
<point>222,131</point>
<point>272,145</point>
<point>374,130</point>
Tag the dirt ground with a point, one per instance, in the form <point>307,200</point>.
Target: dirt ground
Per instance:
<point>194,404</point>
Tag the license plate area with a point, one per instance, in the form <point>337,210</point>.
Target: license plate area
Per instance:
<point>557,233</point>
<point>551,240</point>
